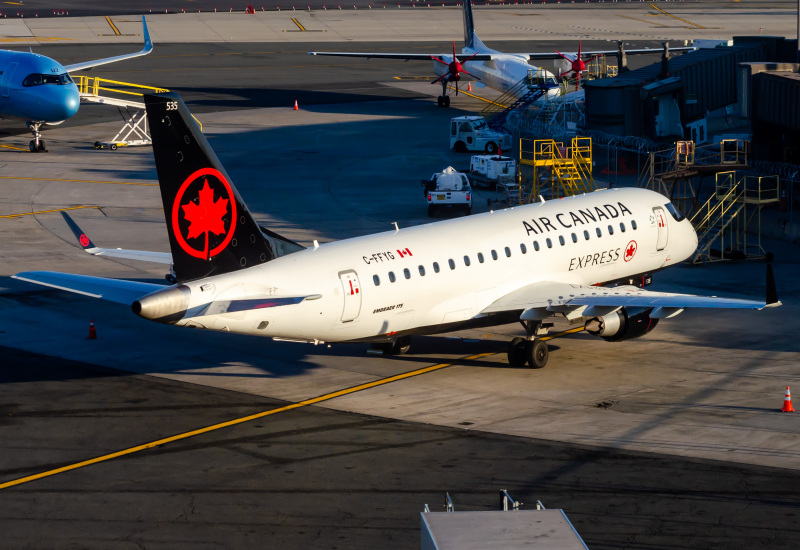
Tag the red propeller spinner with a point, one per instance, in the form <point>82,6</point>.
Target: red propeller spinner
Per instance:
<point>453,69</point>
<point>578,64</point>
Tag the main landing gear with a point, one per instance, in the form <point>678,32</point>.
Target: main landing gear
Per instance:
<point>444,99</point>
<point>531,349</point>
<point>398,347</point>
<point>37,143</point>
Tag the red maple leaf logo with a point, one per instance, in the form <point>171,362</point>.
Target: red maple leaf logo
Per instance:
<point>205,216</point>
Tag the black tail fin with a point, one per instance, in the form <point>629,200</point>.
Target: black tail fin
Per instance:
<point>210,228</point>
<point>469,25</point>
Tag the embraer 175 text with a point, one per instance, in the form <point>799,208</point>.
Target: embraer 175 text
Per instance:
<point>525,264</point>
<point>39,90</point>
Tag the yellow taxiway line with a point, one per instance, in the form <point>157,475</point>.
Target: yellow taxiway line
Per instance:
<point>695,25</point>
<point>296,22</point>
<point>48,211</point>
<point>81,181</point>
<point>113,26</point>
<point>236,421</point>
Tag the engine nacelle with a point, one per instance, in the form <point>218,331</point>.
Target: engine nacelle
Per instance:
<point>619,325</point>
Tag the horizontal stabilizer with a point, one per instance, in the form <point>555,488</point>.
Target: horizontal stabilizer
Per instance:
<point>87,245</point>
<point>113,290</point>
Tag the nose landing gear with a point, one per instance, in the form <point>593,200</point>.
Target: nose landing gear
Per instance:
<point>37,143</point>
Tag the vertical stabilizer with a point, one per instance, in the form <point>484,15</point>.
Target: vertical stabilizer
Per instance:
<point>469,25</point>
<point>210,228</point>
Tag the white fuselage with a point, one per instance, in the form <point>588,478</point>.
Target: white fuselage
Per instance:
<point>350,294</point>
<point>503,73</point>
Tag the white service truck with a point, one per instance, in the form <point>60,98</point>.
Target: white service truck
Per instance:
<point>448,189</point>
<point>471,133</point>
<point>493,171</point>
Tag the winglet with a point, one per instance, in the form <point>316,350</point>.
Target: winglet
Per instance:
<point>772,290</point>
<point>146,49</point>
<point>83,240</point>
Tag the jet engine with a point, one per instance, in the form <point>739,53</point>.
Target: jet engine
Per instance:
<point>621,325</point>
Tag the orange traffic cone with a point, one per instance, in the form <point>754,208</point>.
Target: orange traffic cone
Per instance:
<point>469,86</point>
<point>787,402</point>
<point>296,108</point>
<point>93,333</point>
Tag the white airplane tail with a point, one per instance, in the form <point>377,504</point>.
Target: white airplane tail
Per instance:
<point>471,39</point>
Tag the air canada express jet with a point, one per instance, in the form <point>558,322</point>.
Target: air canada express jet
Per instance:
<point>39,90</point>
<point>525,264</point>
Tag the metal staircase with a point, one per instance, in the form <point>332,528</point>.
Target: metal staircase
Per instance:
<point>725,218</point>
<point>558,171</point>
<point>525,92</point>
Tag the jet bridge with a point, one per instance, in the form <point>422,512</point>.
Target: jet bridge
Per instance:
<point>123,96</point>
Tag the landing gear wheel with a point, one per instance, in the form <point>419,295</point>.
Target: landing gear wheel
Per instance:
<point>113,146</point>
<point>516,352</point>
<point>537,353</point>
<point>401,345</point>
<point>41,146</point>
<point>97,145</point>
<point>440,101</point>
<point>33,146</point>
<point>447,101</point>
<point>491,148</point>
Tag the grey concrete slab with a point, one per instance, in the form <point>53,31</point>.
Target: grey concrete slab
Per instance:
<point>705,384</point>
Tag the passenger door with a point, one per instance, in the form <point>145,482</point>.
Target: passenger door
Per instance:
<point>352,295</point>
<point>663,230</point>
<point>5,83</point>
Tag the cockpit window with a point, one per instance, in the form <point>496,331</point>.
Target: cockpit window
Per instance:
<point>674,211</point>
<point>40,79</point>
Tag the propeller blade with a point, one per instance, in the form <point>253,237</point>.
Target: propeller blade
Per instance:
<point>440,61</point>
<point>578,81</point>
<point>439,79</point>
<point>456,87</point>
<point>565,57</point>
<point>470,74</point>
<point>564,73</point>
<point>579,48</point>
<point>454,51</point>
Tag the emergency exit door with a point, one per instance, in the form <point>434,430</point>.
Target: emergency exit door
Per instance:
<point>663,230</point>
<point>352,295</point>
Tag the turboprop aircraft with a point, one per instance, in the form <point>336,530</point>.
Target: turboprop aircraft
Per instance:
<point>497,70</point>
<point>39,90</point>
<point>526,264</point>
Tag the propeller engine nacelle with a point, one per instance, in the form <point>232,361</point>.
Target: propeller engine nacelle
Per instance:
<point>621,325</point>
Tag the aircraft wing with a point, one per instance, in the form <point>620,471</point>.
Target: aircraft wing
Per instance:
<point>540,300</point>
<point>148,47</point>
<point>113,290</point>
<point>403,56</point>
<point>88,246</point>
<point>555,55</point>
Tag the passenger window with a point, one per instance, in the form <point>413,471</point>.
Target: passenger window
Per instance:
<point>376,280</point>
<point>633,224</point>
<point>451,263</point>
<point>508,252</point>
<point>480,257</point>
<point>585,234</point>
<point>622,227</point>
<point>523,248</point>
<point>391,277</point>
<point>610,230</point>
<point>422,270</point>
<point>549,242</point>
<point>561,240</point>
<point>599,233</point>
<point>494,254</point>
<point>406,273</point>
<point>466,261</point>
<point>536,246</point>
<point>436,267</point>
<point>574,238</point>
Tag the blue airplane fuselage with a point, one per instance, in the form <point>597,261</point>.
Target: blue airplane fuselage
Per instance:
<point>36,88</point>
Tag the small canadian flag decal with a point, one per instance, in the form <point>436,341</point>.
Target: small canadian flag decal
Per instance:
<point>405,252</point>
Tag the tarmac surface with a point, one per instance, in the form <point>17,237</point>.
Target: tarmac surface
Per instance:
<point>668,441</point>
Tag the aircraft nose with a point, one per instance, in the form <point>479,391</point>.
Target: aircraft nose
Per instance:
<point>61,103</point>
